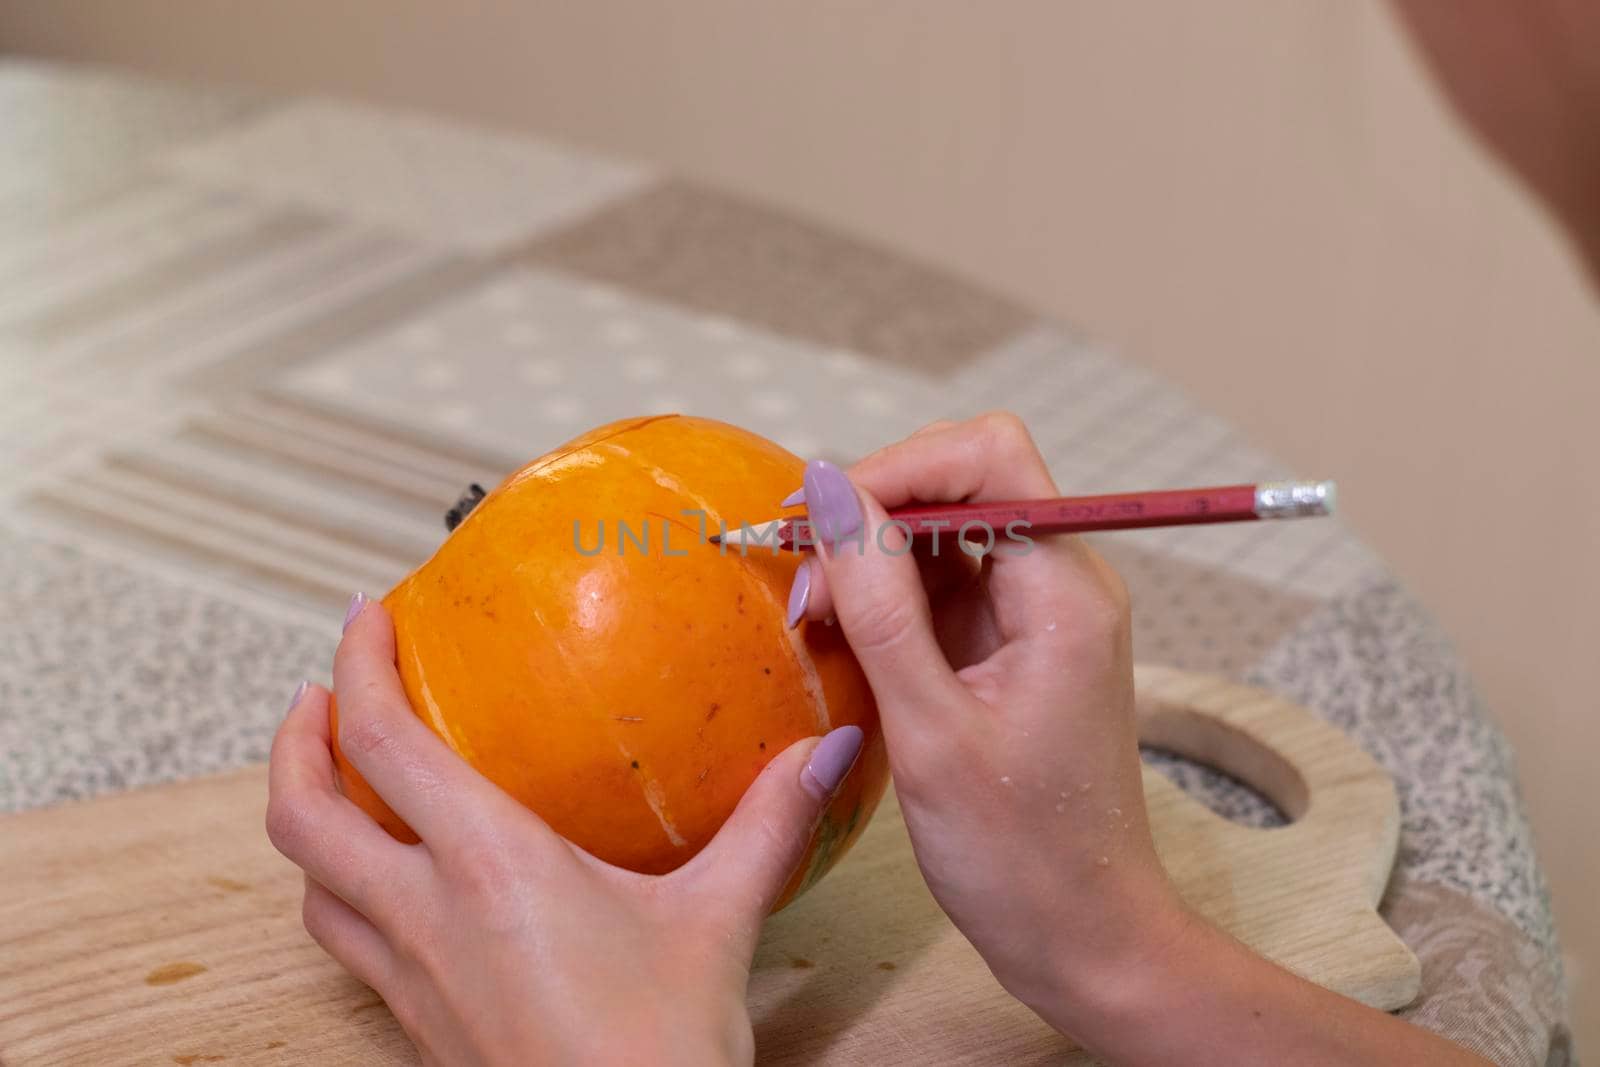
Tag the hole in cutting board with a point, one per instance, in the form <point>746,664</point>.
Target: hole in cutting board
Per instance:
<point>1222,793</point>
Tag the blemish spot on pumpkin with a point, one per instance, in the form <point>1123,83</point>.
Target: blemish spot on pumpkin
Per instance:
<point>172,973</point>
<point>628,718</point>
<point>800,963</point>
<point>228,885</point>
<point>635,764</point>
<point>703,775</point>
<point>886,965</point>
<point>762,746</point>
<point>712,714</point>
<point>766,670</point>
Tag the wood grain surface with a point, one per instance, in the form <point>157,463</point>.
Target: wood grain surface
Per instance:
<point>160,927</point>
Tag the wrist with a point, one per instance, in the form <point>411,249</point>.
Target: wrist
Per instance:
<point>1123,980</point>
<point>673,1031</point>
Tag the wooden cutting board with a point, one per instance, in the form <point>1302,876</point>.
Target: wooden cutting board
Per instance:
<point>159,927</point>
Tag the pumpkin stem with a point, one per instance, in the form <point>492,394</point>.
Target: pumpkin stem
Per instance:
<point>464,506</point>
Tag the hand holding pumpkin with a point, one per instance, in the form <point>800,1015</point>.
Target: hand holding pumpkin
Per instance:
<point>494,940</point>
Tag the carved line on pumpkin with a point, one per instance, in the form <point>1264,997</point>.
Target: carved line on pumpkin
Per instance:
<point>578,457</point>
<point>655,798</point>
<point>649,788</point>
<point>441,722</point>
<point>662,478</point>
<point>578,446</point>
<point>809,678</point>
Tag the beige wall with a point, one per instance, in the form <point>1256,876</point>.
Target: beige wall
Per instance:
<point>1263,198</point>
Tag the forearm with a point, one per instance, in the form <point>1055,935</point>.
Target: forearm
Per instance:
<point>1200,997</point>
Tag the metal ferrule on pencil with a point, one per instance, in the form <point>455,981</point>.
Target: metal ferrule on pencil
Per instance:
<point>1293,500</point>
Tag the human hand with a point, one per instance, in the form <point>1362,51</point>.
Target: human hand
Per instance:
<point>494,940</point>
<point>1007,705</point>
<point>1006,696</point>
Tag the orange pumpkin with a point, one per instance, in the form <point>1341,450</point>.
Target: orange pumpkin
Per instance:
<point>629,695</point>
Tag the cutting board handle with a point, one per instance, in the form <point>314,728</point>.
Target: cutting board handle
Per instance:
<point>1338,798</point>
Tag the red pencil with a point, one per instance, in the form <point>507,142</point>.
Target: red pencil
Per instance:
<point>995,520</point>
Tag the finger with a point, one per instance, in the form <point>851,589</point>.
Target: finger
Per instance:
<point>798,497</point>
<point>748,863</point>
<point>877,593</point>
<point>991,457</point>
<point>312,824</point>
<point>943,574</point>
<point>933,427</point>
<point>436,792</point>
<point>347,936</point>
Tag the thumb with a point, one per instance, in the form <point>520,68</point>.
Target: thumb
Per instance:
<point>753,856</point>
<point>877,593</point>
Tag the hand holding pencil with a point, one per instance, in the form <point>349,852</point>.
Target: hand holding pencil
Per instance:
<point>1005,690</point>
<point>1069,514</point>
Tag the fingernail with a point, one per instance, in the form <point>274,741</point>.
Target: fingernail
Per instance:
<point>831,502</point>
<point>299,695</point>
<point>799,594</point>
<point>357,602</point>
<point>831,760</point>
<point>794,498</point>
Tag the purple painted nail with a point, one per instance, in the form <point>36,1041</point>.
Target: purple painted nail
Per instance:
<point>831,502</point>
<point>799,594</point>
<point>357,602</point>
<point>794,499</point>
<point>831,760</point>
<point>299,695</point>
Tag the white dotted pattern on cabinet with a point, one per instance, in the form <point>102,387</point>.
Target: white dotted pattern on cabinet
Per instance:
<point>531,359</point>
